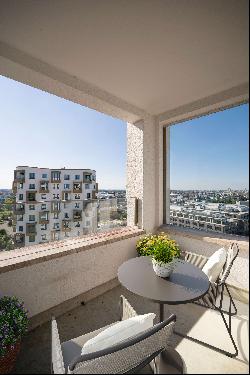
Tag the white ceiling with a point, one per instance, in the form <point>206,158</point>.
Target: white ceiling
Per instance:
<point>155,54</point>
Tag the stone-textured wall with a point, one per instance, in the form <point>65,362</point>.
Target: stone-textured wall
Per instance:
<point>144,172</point>
<point>134,188</point>
<point>45,285</point>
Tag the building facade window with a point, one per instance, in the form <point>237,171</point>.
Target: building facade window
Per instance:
<point>32,238</point>
<point>32,207</point>
<point>20,197</point>
<point>44,175</point>
<point>66,186</point>
<point>77,177</point>
<point>56,226</point>
<point>44,227</point>
<point>88,195</point>
<point>43,206</point>
<point>55,175</point>
<point>66,177</point>
<point>20,228</point>
<point>43,196</point>
<point>32,176</point>
<point>56,215</point>
<point>32,186</point>
<point>55,196</point>
<point>32,217</point>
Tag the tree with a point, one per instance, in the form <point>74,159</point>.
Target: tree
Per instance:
<point>6,241</point>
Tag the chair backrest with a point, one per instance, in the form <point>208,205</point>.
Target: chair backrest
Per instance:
<point>128,355</point>
<point>232,254</point>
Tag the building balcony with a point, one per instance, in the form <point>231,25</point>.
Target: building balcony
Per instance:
<point>55,177</point>
<point>19,176</point>
<point>77,187</point>
<point>66,197</point>
<point>30,229</point>
<point>77,215</point>
<point>44,187</point>
<point>65,225</point>
<point>101,295</point>
<point>31,196</point>
<point>44,217</point>
<point>19,209</point>
<point>19,239</point>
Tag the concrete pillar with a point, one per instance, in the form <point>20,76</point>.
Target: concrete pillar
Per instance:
<point>144,173</point>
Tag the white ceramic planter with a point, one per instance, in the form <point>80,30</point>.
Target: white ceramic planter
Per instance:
<point>163,269</point>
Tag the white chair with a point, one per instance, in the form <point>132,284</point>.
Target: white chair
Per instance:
<point>215,295</point>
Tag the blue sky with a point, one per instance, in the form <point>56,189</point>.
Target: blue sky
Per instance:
<point>211,152</point>
<point>40,129</point>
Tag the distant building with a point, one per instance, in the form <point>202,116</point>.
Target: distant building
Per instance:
<point>52,204</point>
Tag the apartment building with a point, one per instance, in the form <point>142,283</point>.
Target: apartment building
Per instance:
<point>52,204</point>
<point>223,221</point>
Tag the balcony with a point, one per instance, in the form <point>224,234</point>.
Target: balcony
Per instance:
<point>30,229</point>
<point>44,217</point>
<point>55,177</point>
<point>19,209</point>
<point>66,196</point>
<point>44,187</point>
<point>19,176</point>
<point>77,215</point>
<point>55,207</point>
<point>77,187</point>
<point>19,239</point>
<point>31,196</point>
<point>87,178</point>
<point>85,306</point>
<point>211,79</point>
<point>66,225</point>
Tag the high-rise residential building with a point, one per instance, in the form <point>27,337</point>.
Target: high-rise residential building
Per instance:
<point>52,204</point>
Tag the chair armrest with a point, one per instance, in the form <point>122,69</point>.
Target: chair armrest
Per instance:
<point>126,310</point>
<point>56,350</point>
<point>195,259</point>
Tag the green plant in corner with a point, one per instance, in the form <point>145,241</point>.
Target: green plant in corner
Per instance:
<point>13,323</point>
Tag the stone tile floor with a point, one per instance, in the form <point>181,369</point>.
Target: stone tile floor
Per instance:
<point>35,355</point>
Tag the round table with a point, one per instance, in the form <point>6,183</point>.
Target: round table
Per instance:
<point>187,283</point>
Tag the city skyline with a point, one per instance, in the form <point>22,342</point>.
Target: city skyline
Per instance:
<point>207,153</point>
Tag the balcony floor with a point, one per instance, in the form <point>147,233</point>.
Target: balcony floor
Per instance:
<point>199,322</point>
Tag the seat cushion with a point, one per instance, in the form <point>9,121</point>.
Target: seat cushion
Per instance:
<point>118,332</point>
<point>72,348</point>
<point>214,265</point>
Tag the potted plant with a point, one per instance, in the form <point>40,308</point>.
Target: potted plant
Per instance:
<point>163,250</point>
<point>13,325</point>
